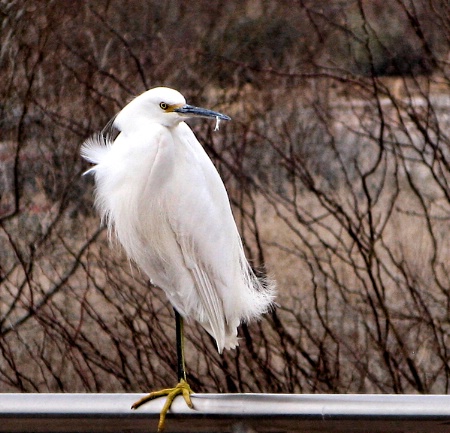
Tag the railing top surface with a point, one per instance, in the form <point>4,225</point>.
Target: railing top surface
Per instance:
<point>226,412</point>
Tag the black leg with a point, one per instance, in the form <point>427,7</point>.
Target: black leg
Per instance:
<point>180,346</point>
<point>182,388</point>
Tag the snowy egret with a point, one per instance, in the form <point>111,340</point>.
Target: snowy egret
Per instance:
<point>160,194</point>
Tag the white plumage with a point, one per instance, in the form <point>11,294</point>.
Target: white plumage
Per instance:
<point>160,194</point>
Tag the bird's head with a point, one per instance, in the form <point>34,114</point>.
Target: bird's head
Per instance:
<point>161,105</point>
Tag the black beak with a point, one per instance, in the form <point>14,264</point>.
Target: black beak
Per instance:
<point>191,111</point>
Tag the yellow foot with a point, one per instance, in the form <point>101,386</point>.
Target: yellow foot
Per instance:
<point>182,388</point>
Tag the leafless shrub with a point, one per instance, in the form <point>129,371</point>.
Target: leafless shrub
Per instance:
<point>339,178</point>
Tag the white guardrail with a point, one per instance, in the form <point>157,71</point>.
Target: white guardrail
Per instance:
<point>237,413</point>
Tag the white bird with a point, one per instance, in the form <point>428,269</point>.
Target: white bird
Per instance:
<point>160,194</point>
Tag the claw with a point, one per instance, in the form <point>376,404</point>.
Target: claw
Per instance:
<point>182,388</point>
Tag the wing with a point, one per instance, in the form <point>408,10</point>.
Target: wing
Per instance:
<point>211,247</point>
<point>202,223</point>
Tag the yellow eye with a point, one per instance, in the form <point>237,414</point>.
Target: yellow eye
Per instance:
<point>163,105</point>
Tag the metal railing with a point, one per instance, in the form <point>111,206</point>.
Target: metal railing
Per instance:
<point>226,413</point>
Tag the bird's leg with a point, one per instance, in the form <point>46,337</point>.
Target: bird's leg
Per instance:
<point>179,330</point>
<point>182,387</point>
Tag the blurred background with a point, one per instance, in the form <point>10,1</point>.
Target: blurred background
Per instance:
<point>337,163</point>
